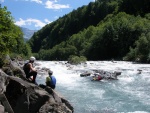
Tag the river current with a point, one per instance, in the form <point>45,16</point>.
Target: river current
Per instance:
<point>129,94</point>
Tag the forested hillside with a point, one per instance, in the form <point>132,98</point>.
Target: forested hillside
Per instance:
<point>102,30</point>
<point>61,29</point>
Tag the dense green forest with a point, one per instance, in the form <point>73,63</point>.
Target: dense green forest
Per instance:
<point>102,30</point>
<point>11,37</point>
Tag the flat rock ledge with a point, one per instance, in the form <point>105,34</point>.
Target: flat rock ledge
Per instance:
<point>17,95</point>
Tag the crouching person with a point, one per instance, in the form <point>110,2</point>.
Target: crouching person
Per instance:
<point>51,80</point>
<point>29,70</point>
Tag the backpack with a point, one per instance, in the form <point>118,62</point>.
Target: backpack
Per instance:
<point>24,67</point>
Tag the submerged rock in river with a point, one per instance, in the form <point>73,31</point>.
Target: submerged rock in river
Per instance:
<point>103,74</point>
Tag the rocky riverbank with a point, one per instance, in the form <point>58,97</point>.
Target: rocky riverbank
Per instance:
<point>18,95</point>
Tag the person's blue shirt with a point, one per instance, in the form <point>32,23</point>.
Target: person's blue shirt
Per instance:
<point>53,80</point>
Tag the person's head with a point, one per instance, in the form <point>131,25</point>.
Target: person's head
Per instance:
<point>32,59</point>
<point>50,72</point>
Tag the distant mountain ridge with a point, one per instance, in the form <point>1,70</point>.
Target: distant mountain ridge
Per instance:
<point>27,33</point>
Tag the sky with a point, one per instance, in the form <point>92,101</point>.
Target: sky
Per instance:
<point>35,14</point>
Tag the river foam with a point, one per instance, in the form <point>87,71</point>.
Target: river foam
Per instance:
<point>128,94</point>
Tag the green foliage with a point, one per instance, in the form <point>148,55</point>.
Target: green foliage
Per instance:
<point>72,23</point>
<point>136,7</point>
<point>131,56</point>
<point>112,38</point>
<point>118,33</point>
<point>36,55</point>
<point>147,16</point>
<point>76,59</point>
<point>102,30</point>
<point>11,36</point>
<point>59,52</point>
<point>148,60</point>
<point>7,40</point>
<point>1,60</point>
<point>141,51</point>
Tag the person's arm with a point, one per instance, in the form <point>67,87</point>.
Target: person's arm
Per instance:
<point>31,67</point>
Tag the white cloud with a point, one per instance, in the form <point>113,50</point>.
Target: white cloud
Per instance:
<point>47,21</point>
<point>1,1</point>
<point>37,1</point>
<point>50,4</point>
<point>32,22</point>
<point>20,22</point>
<point>54,5</point>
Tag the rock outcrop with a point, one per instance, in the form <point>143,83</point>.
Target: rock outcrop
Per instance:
<point>104,74</point>
<point>85,74</point>
<point>26,97</point>
<point>107,74</point>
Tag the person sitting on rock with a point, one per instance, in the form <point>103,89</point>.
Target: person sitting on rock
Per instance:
<point>51,80</point>
<point>29,70</point>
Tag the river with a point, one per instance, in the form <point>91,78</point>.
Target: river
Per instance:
<point>129,94</point>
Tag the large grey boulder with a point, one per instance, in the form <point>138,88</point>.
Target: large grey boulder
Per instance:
<point>4,80</point>
<point>26,97</point>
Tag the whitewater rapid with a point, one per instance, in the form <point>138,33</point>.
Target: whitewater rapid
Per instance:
<point>129,94</point>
